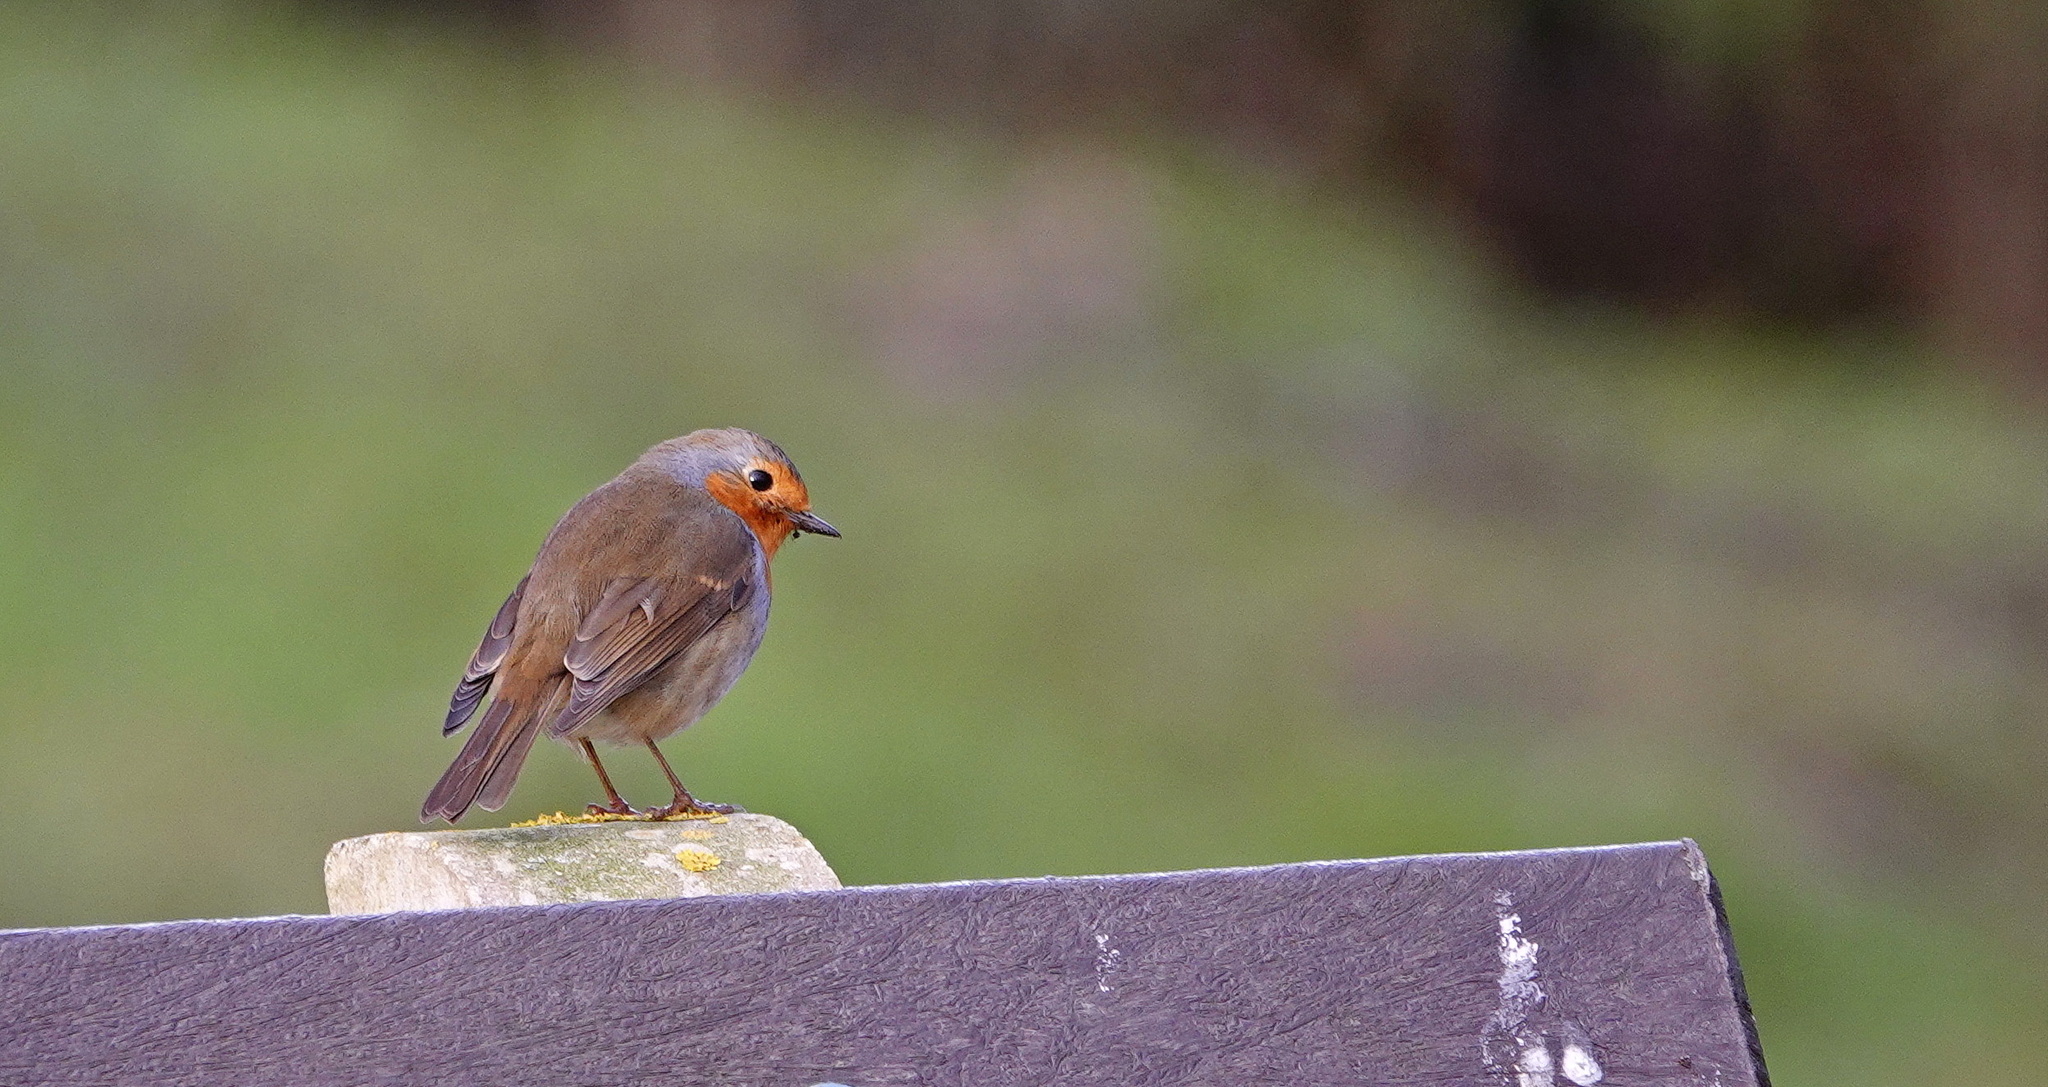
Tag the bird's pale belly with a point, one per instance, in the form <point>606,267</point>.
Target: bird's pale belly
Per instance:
<point>686,687</point>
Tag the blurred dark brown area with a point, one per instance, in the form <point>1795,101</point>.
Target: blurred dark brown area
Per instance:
<point>1817,164</point>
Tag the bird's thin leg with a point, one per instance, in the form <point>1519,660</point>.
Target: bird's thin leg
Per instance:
<point>618,804</point>
<point>684,803</point>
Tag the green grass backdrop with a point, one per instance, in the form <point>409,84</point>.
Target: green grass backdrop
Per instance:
<point>1192,517</point>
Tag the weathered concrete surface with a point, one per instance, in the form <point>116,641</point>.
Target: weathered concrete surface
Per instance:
<point>525,866</point>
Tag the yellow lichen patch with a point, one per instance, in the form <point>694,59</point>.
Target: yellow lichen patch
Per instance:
<point>561,819</point>
<point>697,859</point>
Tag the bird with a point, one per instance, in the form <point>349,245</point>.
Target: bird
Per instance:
<point>646,602</point>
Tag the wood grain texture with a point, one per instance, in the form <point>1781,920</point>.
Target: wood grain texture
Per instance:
<point>1407,971</point>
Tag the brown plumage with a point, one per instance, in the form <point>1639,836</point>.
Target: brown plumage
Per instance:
<point>643,607</point>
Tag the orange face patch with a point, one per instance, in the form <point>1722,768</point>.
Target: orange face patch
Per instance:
<point>762,510</point>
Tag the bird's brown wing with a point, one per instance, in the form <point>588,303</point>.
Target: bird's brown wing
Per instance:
<point>639,623</point>
<point>483,664</point>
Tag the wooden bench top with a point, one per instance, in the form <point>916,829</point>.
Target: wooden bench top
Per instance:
<point>1573,966</point>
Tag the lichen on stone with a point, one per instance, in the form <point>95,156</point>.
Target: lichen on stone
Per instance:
<point>562,819</point>
<point>697,859</point>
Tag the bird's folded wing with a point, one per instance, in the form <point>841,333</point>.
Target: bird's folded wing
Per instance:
<point>641,622</point>
<point>483,664</point>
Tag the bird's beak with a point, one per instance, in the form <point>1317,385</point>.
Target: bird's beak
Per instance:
<point>806,521</point>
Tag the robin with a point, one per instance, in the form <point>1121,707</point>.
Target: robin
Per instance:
<point>645,604</point>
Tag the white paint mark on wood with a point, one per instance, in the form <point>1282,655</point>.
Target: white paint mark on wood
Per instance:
<point>1514,1046</point>
<point>1107,960</point>
<point>1519,993</point>
<point>1579,1066</point>
<point>1534,1069</point>
<point>1511,1047</point>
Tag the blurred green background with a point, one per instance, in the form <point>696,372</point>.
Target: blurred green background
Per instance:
<point>1207,500</point>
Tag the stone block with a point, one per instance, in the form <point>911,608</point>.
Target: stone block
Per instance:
<point>743,853</point>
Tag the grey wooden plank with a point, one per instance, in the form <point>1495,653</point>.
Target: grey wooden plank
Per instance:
<point>1481,969</point>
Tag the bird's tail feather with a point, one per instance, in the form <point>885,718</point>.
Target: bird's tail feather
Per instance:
<point>497,782</point>
<point>491,758</point>
<point>505,733</point>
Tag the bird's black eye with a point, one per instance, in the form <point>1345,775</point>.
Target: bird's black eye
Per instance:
<point>760,480</point>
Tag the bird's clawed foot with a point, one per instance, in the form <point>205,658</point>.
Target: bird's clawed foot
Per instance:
<point>686,806</point>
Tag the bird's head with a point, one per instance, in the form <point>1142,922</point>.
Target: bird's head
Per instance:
<point>749,475</point>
